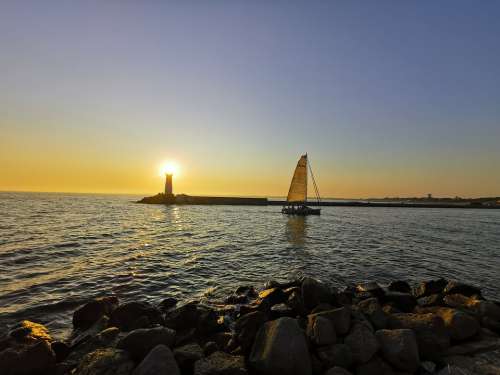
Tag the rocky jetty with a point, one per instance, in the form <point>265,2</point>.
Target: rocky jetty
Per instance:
<point>302,327</point>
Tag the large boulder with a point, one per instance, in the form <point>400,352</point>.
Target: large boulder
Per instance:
<point>280,347</point>
<point>362,342</point>
<point>28,332</point>
<point>187,355</point>
<point>432,336</point>
<point>404,302</point>
<point>460,325</point>
<point>133,315</point>
<point>399,286</point>
<point>140,341</point>
<point>339,355</point>
<point>341,318</point>
<point>427,288</point>
<point>193,315</point>
<point>159,361</point>
<point>247,327</point>
<point>105,362</point>
<point>373,311</point>
<point>220,363</point>
<point>456,287</point>
<point>94,310</point>
<point>399,347</point>
<point>321,330</point>
<point>34,359</point>
<point>315,292</point>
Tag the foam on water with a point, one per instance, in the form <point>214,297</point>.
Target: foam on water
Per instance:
<point>57,250</point>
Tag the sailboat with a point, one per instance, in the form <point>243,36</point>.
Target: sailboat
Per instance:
<point>297,194</point>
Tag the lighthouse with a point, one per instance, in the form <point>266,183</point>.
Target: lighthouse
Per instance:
<point>169,192</point>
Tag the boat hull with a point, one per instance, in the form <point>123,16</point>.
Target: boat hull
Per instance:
<point>300,211</point>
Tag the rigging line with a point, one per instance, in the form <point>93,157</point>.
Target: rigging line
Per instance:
<point>316,190</point>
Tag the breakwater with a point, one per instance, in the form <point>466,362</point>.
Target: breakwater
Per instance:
<point>242,201</point>
<point>301,327</point>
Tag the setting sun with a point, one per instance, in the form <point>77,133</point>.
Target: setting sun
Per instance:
<point>169,167</point>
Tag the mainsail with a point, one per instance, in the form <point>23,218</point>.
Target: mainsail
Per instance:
<point>298,187</point>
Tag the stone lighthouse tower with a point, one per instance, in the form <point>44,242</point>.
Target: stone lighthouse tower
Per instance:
<point>169,192</point>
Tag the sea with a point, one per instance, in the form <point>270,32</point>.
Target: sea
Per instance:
<point>59,250</point>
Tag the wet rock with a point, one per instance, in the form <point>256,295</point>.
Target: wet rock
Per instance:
<point>296,303</point>
<point>28,332</point>
<point>368,290</point>
<point>337,371</point>
<point>486,309</point>
<point>139,342</point>
<point>320,330</point>
<point>362,342</point>
<point>492,324</point>
<point>246,328</point>
<point>402,301</point>
<point>94,310</point>
<point>314,292</point>
<point>187,355</point>
<point>167,304</point>
<point>79,337</point>
<point>125,316</point>
<point>235,299</point>
<point>432,300</point>
<point>430,287</point>
<point>280,310</point>
<point>209,348</point>
<point>221,339</point>
<point>322,307</point>
<point>220,363</point>
<point>373,311</point>
<point>37,358</point>
<point>399,348</point>
<point>455,287</point>
<point>105,362</point>
<point>432,336</point>
<point>341,318</point>
<point>193,315</point>
<point>61,350</point>
<point>280,347</point>
<point>339,355</point>
<point>399,286</point>
<point>159,361</point>
<point>460,325</point>
<point>185,337</point>
<point>273,296</point>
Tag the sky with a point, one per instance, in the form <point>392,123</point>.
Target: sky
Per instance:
<point>388,98</point>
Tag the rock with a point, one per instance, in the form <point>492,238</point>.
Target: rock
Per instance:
<point>482,364</point>
<point>167,304</point>
<point>486,309</point>
<point>341,318</point>
<point>399,347</point>
<point>247,327</point>
<point>210,347</point>
<point>473,347</point>
<point>105,362</point>
<point>460,325</point>
<point>322,307</point>
<point>125,316</point>
<point>61,350</point>
<point>402,301</point>
<point>280,347</point>
<point>455,287</point>
<point>159,361</point>
<point>375,366</point>
<point>369,289</point>
<point>94,310</point>
<point>220,363</point>
<point>399,286</point>
<point>362,342</point>
<point>432,300</point>
<point>337,371</point>
<point>296,303</point>
<point>280,310</point>
<point>339,355</point>
<point>458,301</point>
<point>430,287</point>
<point>273,296</point>
<point>187,355</point>
<point>320,330</point>
<point>314,292</point>
<point>37,358</point>
<point>28,332</point>
<point>193,315</point>
<point>432,336</point>
<point>139,342</point>
<point>373,312</point>
<point>84,336</point>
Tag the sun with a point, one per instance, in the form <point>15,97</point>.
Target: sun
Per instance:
<point>169,167</point>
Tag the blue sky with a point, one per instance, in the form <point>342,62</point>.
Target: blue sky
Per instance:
<point>388,97</point>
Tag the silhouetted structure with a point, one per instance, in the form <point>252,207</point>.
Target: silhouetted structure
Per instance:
<point>168,185</point>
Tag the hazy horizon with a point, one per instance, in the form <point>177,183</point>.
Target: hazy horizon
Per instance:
<point>388,98</point>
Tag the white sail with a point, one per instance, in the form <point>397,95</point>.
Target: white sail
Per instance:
<point>298,187</point>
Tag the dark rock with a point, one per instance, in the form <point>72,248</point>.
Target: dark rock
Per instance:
<point>315,292</point>
<point>402,301</point>
<point>185,337</point>
<point>94,310</point>
<point>337,371</point>
<point>341,318</point>
<point>273,296</point>
<point>37,358</point>
<point>61,350</point>
<point>430,287</point>
<point>221,339</point>
<point>235,299</point>
<point>432,300</point>
<point>335,355</point>
<point>105,362</point>
<point>317,367</point>
<point>455,287</point>
<point>159,361</point>
<point>474,347</point>
<point>369,289</point>
<point>321,330</point>
<point>193,315</point>
<point>187,355</point>
<point>140,341</point>
<point>322,307</point>
<point>375,366</point>
<point>167,304</point>
<point>399,286</point>
<point>460,325</point>
<point>280,310</point>
<point>220,363</point>
<point>362,342</point>
<point>125,316</point>
<point>209,348</point>
<point>432,336</point>
<point>373,311</point>
<point>246,328</point>
<point>296,303</point>
<point>399,347</point>
<point>281,348</point>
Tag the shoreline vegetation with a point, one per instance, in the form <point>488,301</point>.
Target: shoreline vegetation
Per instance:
<point>482,203</point>
<point>301,327</point>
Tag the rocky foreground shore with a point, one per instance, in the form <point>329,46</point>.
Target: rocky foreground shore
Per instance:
<point>299,328</point>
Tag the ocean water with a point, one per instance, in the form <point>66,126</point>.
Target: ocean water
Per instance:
<point>58,250</point>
